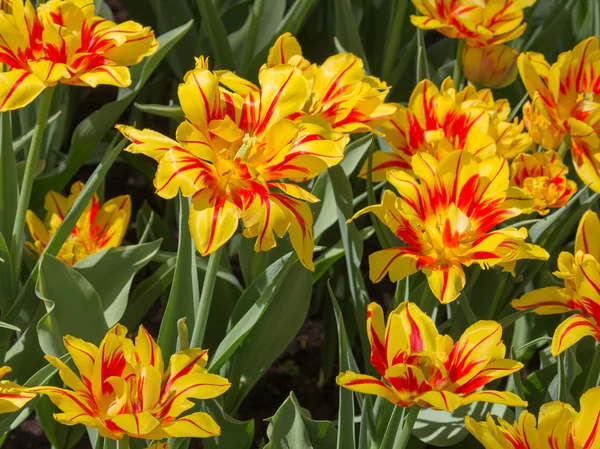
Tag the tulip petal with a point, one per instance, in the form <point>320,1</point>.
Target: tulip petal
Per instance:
<point>384,161</point>
<point>147,142</point>
<point>137,424</point>
<point>200,97</point>
<point>587,239</point>
<point>570,331</point>
<point>196,425</point>
<point>396,262</point>
<point>180,170</point>
<point>586,426</point>
<point>213,221</point>
<point>362,383</point>
<point>376,333</point>
<point>446,284</point>
<point>441,400</point>
<point>494,397</point>
<point>18,88</point>
<point>478,345</point>
<point>545,301</point>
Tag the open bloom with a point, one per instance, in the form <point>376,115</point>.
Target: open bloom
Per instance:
<point>63,41</point>
<point>99,226</point>
<point>559,426</point>
<point>438,121</point>
<point>543,175</point>
<point>12,396</point>
<point>233,154</point>
<point>581,292</point>
<point>124,389</point>
<point>421,367</point>
<point>340,91</point>
<point>490,66</point>
<point>565,103</point>
<point>446,220</point>
<point>481,22</point>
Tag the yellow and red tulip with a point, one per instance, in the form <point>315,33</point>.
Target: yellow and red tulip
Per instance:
<point>421,367</point>
<point>123,388</point>
<point>99,226</point>
<point>438,121</point>
<point>581,292</point>
<point>481,23</point>
<point>446,219</point>
<point>490,66</point>
<point>241,157</point>
<point>340,91</point>
<point>565,100</point>
<point>12,396</point>
<point>559,426</point>
<point>543,175</point>
<point>65,42</point>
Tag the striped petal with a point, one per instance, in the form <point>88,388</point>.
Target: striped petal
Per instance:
<point>182,363</point>
<point>196,425</point>
<point>478,345</point>
<point>294,191</point>
<point>494,397</point>
<point>147,142</point>
<point>362,383</point>
<point>384,161</point>
<point>137,424</point>
<point>584,148</point>
<point>441,400</point>
<point>18,88</point>
<point>236,83</point>
<point>112,220</point>
<point>587,239</point>
<point>410,330</point>
<point>570,331</point>
<point>492,371</point>
<point>83,355</point>
<point>446,283</point>
<point>200,97</point>
<point>148,350</point>
<point>108,74</point>
<point>37,231</point>
<point>492,437</point>
<point>180,170</point>
<point>285,47</point>
<point>396,262</point>
<point>376,332</point>
<point>284,92</point>
<point>586,426</point>
<point>545,301</point>
<point>213,221</point>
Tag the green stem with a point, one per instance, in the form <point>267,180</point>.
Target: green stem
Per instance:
<point>206,299</point>
<point>379,231</point>
<point>402,290</point>
<point>562,378</point>
<point>463,301</point>
<point>391,430</point>
<point>393,42</point>
<point>498,296</point>
<point>16,248</point>
<point>458,75</point>
<point>407,428</point>
<point>428,300</point>
<point>123,443</point>
<point>564,146</point>
<point>594,370</point>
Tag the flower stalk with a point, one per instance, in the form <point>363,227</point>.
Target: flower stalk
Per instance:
<point>458,75</point>
<point>27,185</point>
<point>206,299</point>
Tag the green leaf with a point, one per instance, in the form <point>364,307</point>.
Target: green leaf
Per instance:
<point>7,292</point>
<point>22,142</point>
<point>159,228</point>
<point>120,266</point>
<point>172,112</point>
<point>234,433</point>
<point>217,34</point>
<point>443,429</point>
<point>68,297</point>
<point>335,253</point>
<point>147,292</point>
<point>175,14</point>
<point>252,305</point>
<point>9,189</point>
<point>345,435</point>
<point>89,132</point>
<point>347,32</point>
<point>185,290</point>
<point>271,335</point>
<point>293,427</point>
<point>353,253</point>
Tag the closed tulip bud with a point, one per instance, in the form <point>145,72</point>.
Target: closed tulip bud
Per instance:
<point>494,67</point>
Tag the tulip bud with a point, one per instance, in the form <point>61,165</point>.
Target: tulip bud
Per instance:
<point>494,67</point>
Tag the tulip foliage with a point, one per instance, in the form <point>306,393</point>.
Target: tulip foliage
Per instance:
<point>300,224</point>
